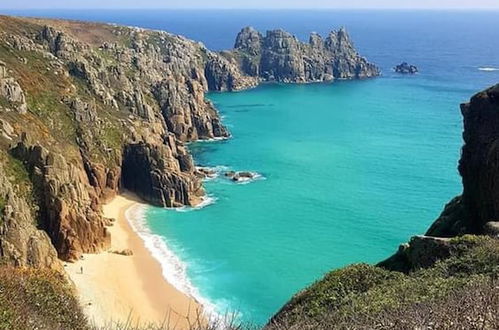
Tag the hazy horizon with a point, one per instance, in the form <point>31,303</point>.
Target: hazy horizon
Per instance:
<point>255,4</point>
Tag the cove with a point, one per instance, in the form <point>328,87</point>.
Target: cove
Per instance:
<point>351,170</point>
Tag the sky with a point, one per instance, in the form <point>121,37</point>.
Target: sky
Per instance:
<point>254,4</point>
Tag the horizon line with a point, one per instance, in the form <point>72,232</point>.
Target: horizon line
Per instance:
<point>270,8</point>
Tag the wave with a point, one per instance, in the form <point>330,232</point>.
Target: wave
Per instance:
<point>256,176</point>
<point>207,200</point>
<point>173,269</point>
<point>488,69</point>
<point>214,172</point>
<point>215,139</point>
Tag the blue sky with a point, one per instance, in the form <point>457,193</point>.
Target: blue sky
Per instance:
<point>235,4</point>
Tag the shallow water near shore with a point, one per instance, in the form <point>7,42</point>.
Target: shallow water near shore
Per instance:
<point>351,169</point>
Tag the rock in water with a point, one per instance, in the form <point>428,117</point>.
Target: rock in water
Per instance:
<point>280,56</point>
<point>406,68</point>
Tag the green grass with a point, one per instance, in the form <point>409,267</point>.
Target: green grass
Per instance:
<point>16,173</point>
<point>366,291</point>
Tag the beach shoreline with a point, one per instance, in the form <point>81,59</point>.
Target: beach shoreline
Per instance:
<point>118,289</point>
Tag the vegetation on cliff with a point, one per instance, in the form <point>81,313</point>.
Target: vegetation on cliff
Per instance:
<point>364,296</point>
<point>37,299</point>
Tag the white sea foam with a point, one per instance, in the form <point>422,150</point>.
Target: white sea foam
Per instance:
<point>207,200</point>
<point>174,270</point>
<point>215,171</point>
<point>488,69</point>
<point>256,176</point>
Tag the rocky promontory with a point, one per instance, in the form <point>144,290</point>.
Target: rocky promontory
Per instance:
<point>88,109</point>
<point>280,56</point>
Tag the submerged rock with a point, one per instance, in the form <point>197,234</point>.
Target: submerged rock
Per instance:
<point>206,172</point>
<point>241,176</point>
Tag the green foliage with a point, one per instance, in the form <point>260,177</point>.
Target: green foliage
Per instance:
<point>56,115</point>
<point>37,299</point>
<point>369,290</point>
<point>16,173</point>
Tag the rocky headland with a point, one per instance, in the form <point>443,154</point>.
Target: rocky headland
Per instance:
<point>88,109</point>
<point>280,56</point>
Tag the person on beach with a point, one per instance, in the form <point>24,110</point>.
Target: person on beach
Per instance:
<point>81,269</point>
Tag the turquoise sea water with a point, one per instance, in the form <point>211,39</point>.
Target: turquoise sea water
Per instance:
<point>351,169</point>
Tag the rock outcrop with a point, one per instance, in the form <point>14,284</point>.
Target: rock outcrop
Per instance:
<point>420,252</point>
<point>11,91</point>
<point>21,242</point>
<point>224,75</point>
<point>479,169</point>
<point>161,174</point>
<point>406,68</point>
<point>280,56</point>
<point>97,110</point>
<point>68,207</point>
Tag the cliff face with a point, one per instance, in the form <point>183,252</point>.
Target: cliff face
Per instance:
<point>280,56</point>
<point>87,109</point>
<point>478,207</point>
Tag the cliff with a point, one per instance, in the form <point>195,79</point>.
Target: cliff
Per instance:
<point>280,56</point>
<point>442,280</point>
<point>477,209</point>
<point>88,109</point>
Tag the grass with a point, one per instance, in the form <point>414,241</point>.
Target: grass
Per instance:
<point>364,292</point>
<point>16,173</point>
<point>37,299</point>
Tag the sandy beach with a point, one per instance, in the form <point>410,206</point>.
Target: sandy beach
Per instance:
<point>117,288</point>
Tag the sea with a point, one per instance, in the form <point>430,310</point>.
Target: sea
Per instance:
<point>347,171</point>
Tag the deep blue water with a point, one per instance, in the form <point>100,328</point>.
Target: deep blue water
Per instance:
<point>352,169</point>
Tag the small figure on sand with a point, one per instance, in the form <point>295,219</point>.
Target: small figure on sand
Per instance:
<point>81,269</point>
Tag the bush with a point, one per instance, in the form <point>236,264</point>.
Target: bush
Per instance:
<point>366,297</point>
<point>37,299</point>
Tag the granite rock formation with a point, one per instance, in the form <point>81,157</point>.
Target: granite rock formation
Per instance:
<point>280,56</point>
<point>406,68</point>
<point>21,243</point>
<point>478,167</point>
<point>88,109</point>
<point>68,208</point>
